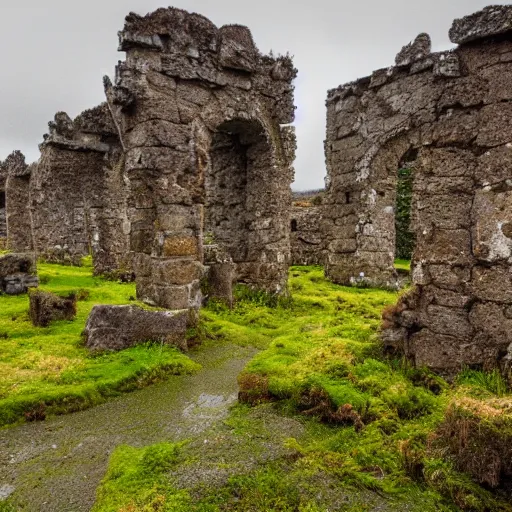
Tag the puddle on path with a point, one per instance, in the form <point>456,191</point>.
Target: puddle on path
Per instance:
<point>56,465</point>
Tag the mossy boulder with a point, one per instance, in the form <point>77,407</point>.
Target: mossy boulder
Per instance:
<point>46,307</point>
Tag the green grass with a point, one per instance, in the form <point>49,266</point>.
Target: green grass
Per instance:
<point>47,370</point>
<point>404,265</point>
<point>368,419</point>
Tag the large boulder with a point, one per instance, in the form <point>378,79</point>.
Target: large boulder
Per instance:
<point>17,273</point>
<point>120,327</point>
<point>46,307</point>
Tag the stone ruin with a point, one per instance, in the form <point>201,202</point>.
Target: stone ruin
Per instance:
<point>307,241</point>
<point>78,193</point>
<point>3,220</point>
<point>18,273</point>
<point>189,163</point>
<point>450,113</point>
<point>200,114</point>
<point>191,149</point>
<point>18,220</point>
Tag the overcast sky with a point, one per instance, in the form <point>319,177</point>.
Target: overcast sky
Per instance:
<point>55,53</point>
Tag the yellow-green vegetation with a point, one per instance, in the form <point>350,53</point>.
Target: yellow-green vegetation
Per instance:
<point>370,421</point>
<point>47,370</point>
<point>403,265</point>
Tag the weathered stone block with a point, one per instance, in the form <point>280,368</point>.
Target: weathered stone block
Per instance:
<point>490,320</point>
<point>445,247</point>
<point>219,282</point>
<point>495,128</point>
<point>237,49</point>
<point>446,320</point>
<point>47,307</point>
<point>414,51</point>
<point>492,284</point>
<point>494,166</point>
<point>17,273</point>
<point>158,133</point>
<point>121,327</point>
<point>492,226</point>
<point>176,271</point>
<point>180,246</point>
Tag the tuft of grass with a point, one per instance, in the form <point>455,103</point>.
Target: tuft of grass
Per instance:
<point>135,480</point>
<point>483,382</point>
<point>47,371</point>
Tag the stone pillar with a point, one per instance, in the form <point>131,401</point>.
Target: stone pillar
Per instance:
<point>3,222</point>
<point>18,220</point>
<point>192,100</point>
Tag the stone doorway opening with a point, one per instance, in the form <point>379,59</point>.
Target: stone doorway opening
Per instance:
<point>405,238</point>
<point>240,228</point>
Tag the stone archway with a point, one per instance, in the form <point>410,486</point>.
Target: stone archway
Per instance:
<point>455,109</point>
<point>242,202</point>
<point>189,99</point>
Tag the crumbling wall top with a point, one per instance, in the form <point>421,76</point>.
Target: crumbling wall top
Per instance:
<point>96,120</point>
<point>178,31</point>
<point>494,20</point>
<point>87,132</point>
<point>414,51</point>
<point>166,21</point>
<point>15,165</point>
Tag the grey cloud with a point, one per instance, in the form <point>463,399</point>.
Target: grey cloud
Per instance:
<point>55,56</point>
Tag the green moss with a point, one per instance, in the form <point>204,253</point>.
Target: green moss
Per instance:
<point>48,371</point>
<point>403,265</point>
<point>320,359</point>
<point>135,480</point>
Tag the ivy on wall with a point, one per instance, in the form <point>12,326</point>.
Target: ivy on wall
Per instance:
<point>404,237</point>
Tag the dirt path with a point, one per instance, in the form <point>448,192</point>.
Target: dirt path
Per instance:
<point>56,465</point>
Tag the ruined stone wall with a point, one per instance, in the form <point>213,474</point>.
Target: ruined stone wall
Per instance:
<point>199,110</point>
<point>77,192</point>
<point>306,239</point>
<point>452,113</point>
<point>18,220</point>
<point>3,221</point>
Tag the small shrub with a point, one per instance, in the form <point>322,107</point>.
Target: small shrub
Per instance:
<point>253,389</point>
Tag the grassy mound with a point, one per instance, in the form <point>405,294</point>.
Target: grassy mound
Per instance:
<point>477,435</point>
<point>370,420</point>
<point>47,371</point>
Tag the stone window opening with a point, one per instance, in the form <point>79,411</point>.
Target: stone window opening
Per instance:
<point>294,227</point>
<point>405,239</point>
<point>348,198</point>
<point>2,199</point>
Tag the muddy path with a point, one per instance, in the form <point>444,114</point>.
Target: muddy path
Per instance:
<point>56,465</point>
